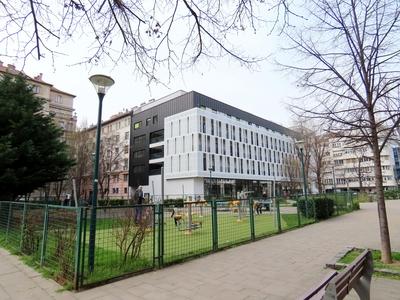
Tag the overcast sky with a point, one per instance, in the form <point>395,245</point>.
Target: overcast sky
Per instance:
<point>263,91</point>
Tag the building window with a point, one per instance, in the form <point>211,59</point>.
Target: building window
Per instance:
<point>219,129</point>
<point>251,136</point>
<point>126,149</point>
<point>203,124</point>
<point>228,164</point>
<point>216,145</point>
<point>36,89</point>
<point>204,162</point>
<point>127,135</point>
<point>148,121</point>
<point>188,161</point>
<point>188,125</point>
<point>230,148</point>
<point>125,177</point>
<point>137,125</point>
<point>245,136</point>
<point>244,151</point>
<point>249,152</point>
<point>208,144</point>
<point>221,168</point>
<point>233,133</point>
<point>200,143</point>
<point>235,165</point>
<point>223,147</point>
<point>155,119</point>
<point>138,169</point>
<point>240,134</point>
<point>138,154</point>
<point>125,190</point>
<point>212,127</point>
<point>241,166</point>
<point>212,162</point>
<point>227,130</point>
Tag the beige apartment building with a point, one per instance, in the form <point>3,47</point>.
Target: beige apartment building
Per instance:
<point>352,168</point>
<point>58,104</point>
<point>113,159</point>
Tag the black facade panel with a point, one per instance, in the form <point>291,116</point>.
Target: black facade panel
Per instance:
<point>163,110</point>
<point>202,100</point>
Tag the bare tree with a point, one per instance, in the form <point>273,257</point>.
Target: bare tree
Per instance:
<point>292,166</point>
<point>349,51</point>
<point>149,34</point>
<point>318,153</point>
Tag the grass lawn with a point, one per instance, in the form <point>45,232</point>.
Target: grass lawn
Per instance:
<point>376,256</point>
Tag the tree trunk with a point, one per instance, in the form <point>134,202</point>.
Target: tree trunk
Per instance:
<point>383,222</point>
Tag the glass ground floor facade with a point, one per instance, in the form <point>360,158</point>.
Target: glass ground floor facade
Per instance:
<point>236,188</point>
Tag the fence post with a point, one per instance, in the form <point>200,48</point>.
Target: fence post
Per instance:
<point>22,228</point>
<point>278,214</point>
<point>84,246</point>
<point>44,237</point>
<point>160,239</point>
<point>214,225</point>
<point>77,246</point>
<point>314,210</point>
<point>252,229</point>
<point>9,220</point>
<point>298,211</point>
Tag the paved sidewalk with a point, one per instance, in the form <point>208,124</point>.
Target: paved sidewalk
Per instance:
<point>280,267</point>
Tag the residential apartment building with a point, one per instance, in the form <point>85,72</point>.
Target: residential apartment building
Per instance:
<point>113,159</point>
<point>204,147</point>
<point>59,104</point>
<point>352,168</point>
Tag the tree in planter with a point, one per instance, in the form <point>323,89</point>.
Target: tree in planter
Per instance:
<point>31,150</point>
<point>347,52</point>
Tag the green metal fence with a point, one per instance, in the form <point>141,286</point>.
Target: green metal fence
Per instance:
<point>133,239</point>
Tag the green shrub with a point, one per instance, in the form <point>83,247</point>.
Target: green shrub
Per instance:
<point>173,202</point>
<point>392,194</point>
<point>356,205</point>
<point>321,208</point>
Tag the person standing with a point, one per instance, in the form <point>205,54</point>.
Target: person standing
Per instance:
<point>139,199</point>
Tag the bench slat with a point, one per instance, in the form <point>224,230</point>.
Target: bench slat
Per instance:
<point>319,290</point>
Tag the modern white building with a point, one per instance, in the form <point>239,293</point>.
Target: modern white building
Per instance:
<point>206,147</point>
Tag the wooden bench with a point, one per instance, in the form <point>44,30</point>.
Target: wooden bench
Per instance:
<point>355,276</point>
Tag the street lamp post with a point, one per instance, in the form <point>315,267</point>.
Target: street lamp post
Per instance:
<point>101,83</point>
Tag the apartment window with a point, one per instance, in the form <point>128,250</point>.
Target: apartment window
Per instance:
<point>126,149</point>
<point>269,170</point>
<point>245,136</point>
<point>127,135</point>
<point>200,143</point>
<point>237,149</point>
<point>138,154</point>
<point>179,127</point>
<point>208,144</point>
<point>257,139</point>
<point>125,190</point>
<point>187,123</point>
<point>204,162</point>
<point>125,177</point>
<point>233,133</point>
<point>137,125</point>
<point>259,172</point>
<point>148,121</point>
<point>227,131</point>
<point>249,152</point>
<point>171,164</point>
<point>212,162</point>
<point>219,129</point>
<point>230,148</point>
<point>240,134</point>
<point>155,119</point>
<point>223,147</point>
<point>167,147</point>
<point>139,140</point>
<point>252,167</point>
<point>252,138</point>
<point>172,129</point>
<point>244,151</point>
<point>248,166</point>
<point>220,164</point>
<point>138,169</point>
<point>255,152</point>
<point>212,127</point>
<point>183,144</point>
<point>241,166</point>
<point>235,165</point>
<point>228,164</point>
<point>203,124</point>
<point>262,140</point>
<point>175,147</point>
<point>36,89</point>
<point>266,141</point>
<point>216,145</point>
<point>188,162</point>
